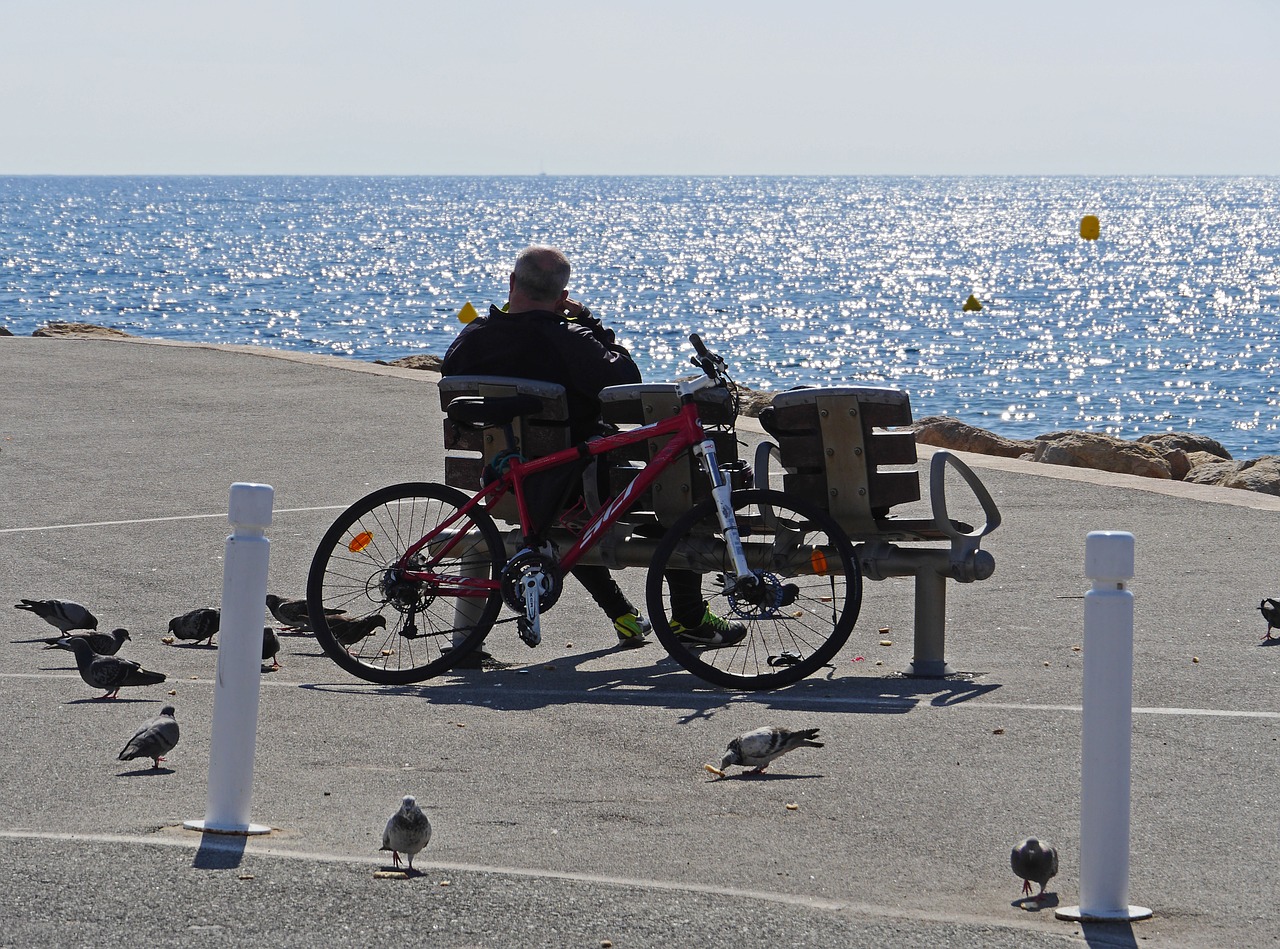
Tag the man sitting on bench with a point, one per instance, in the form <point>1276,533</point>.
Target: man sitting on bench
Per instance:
<point>545,335</point>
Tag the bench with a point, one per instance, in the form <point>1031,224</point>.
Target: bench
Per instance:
<point>844,447</point>
<point>847,449</point>
<point>683,484</point>
<point>467,451</point>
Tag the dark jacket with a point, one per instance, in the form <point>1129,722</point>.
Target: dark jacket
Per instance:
<point>538,344</point>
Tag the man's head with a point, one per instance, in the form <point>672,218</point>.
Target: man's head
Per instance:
<point>539,279</point>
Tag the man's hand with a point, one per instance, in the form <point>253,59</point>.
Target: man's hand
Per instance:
<point>572,308</point>
<point>577,313</point>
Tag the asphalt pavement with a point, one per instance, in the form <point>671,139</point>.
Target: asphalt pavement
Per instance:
<point>566,786</point>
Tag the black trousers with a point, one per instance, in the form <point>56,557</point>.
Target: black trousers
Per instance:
<point>685,587</point>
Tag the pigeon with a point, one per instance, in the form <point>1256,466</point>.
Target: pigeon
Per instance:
<point>408,831</point>
<point>761,746</point>
<point>270,646</point>
<point>349,630</point>
<point>197,625</point>
<point>104,644</point>
<point>64,614</point>
<point>109,672</point>
<point>1034,861</point>
<point>153,739</point>
<point>1271,613</point>
<point>294,615</point>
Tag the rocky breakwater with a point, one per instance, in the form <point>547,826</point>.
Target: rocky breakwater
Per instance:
<point>1176,456</point>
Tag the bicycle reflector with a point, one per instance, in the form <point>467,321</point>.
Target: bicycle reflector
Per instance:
<point>818,561</point>
<point>360,542</point>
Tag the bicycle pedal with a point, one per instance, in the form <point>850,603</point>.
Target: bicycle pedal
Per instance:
<point>788,657</point>
<point>530,634</point>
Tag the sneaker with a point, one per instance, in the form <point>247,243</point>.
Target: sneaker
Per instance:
<point>631,629</point>
<point>712,631</point>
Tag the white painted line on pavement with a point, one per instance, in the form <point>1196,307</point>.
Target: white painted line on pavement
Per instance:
<point>812,702</point>
<point>256,847</point>
<point>158,520</point>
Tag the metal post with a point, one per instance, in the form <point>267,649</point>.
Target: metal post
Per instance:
<point>1107,727</point>
<point>930,659</point>
<point>235,696</point>
<point>467,610</point>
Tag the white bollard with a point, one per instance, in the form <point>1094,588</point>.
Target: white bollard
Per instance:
<point>235,695</point>
<point>1107,727</point>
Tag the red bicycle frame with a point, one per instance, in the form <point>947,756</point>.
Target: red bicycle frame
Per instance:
<point>685,429</point>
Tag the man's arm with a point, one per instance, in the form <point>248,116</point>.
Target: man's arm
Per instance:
<point>599,363</point>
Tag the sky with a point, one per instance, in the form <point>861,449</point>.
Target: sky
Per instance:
<point>683,87</point>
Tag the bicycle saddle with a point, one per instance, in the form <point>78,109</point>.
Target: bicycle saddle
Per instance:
<point>481,411</point>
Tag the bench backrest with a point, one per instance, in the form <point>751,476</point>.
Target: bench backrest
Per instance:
<point>467,450</point>
<point>833,443</point>
<point>682,484</point>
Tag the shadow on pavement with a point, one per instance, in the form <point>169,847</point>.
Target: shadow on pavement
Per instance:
<point>219,851</point>
<point>666,685</point>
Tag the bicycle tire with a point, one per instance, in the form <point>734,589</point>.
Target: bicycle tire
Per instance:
<point>822,591</point>
<point>422,634</point>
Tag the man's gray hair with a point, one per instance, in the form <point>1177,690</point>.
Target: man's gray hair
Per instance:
<point>542,273</point>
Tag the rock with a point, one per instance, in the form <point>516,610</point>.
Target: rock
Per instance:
<point>1256,474</point>
<point>1179,463</point>
<point>418,361</point>
<point>752,403</point>
<point>81,329</point>
<point>4,331</point>
<point>1166,441</point>
<point>1198,458</point>
<point>1212,471</point>
<point>1102,452</point>
<point>943,431</point>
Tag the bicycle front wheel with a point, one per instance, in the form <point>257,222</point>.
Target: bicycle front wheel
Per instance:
<point>798,608</point>
<point>393,620</point>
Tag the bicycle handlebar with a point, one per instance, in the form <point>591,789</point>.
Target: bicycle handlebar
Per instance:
<point>709,362</point>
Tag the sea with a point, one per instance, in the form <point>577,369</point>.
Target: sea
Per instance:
<point>1168,321</point>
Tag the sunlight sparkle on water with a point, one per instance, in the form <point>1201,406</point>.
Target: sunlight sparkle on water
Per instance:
<point>1168,321</point>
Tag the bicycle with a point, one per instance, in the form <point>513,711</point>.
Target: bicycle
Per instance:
<point>418,572</point>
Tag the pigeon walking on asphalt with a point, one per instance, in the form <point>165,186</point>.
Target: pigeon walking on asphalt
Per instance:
<point>756,749</point>
<point>197,625</point>
<point>270,646</point>
<point>293,615</point>
<point>1271,613</point>
<point>154,739</point>
<point>1034,861</point>
<point>407,832</point>
<point>349,630</point>
<point>104,644</point>
<point>64,614</point>
<point>110,672</point>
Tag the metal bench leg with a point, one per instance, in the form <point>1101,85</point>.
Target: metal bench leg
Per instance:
<point>930,661</point>
<point>466,612</point>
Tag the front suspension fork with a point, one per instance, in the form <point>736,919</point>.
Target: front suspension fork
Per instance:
<point>721,492</point>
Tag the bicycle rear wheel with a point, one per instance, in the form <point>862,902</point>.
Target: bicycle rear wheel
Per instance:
<point>381,619</point>
<point>799,610</point>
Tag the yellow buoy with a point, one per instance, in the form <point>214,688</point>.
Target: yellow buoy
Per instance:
<point>467,313</point>
<point>1089,227</point>
<point>972,305</point>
